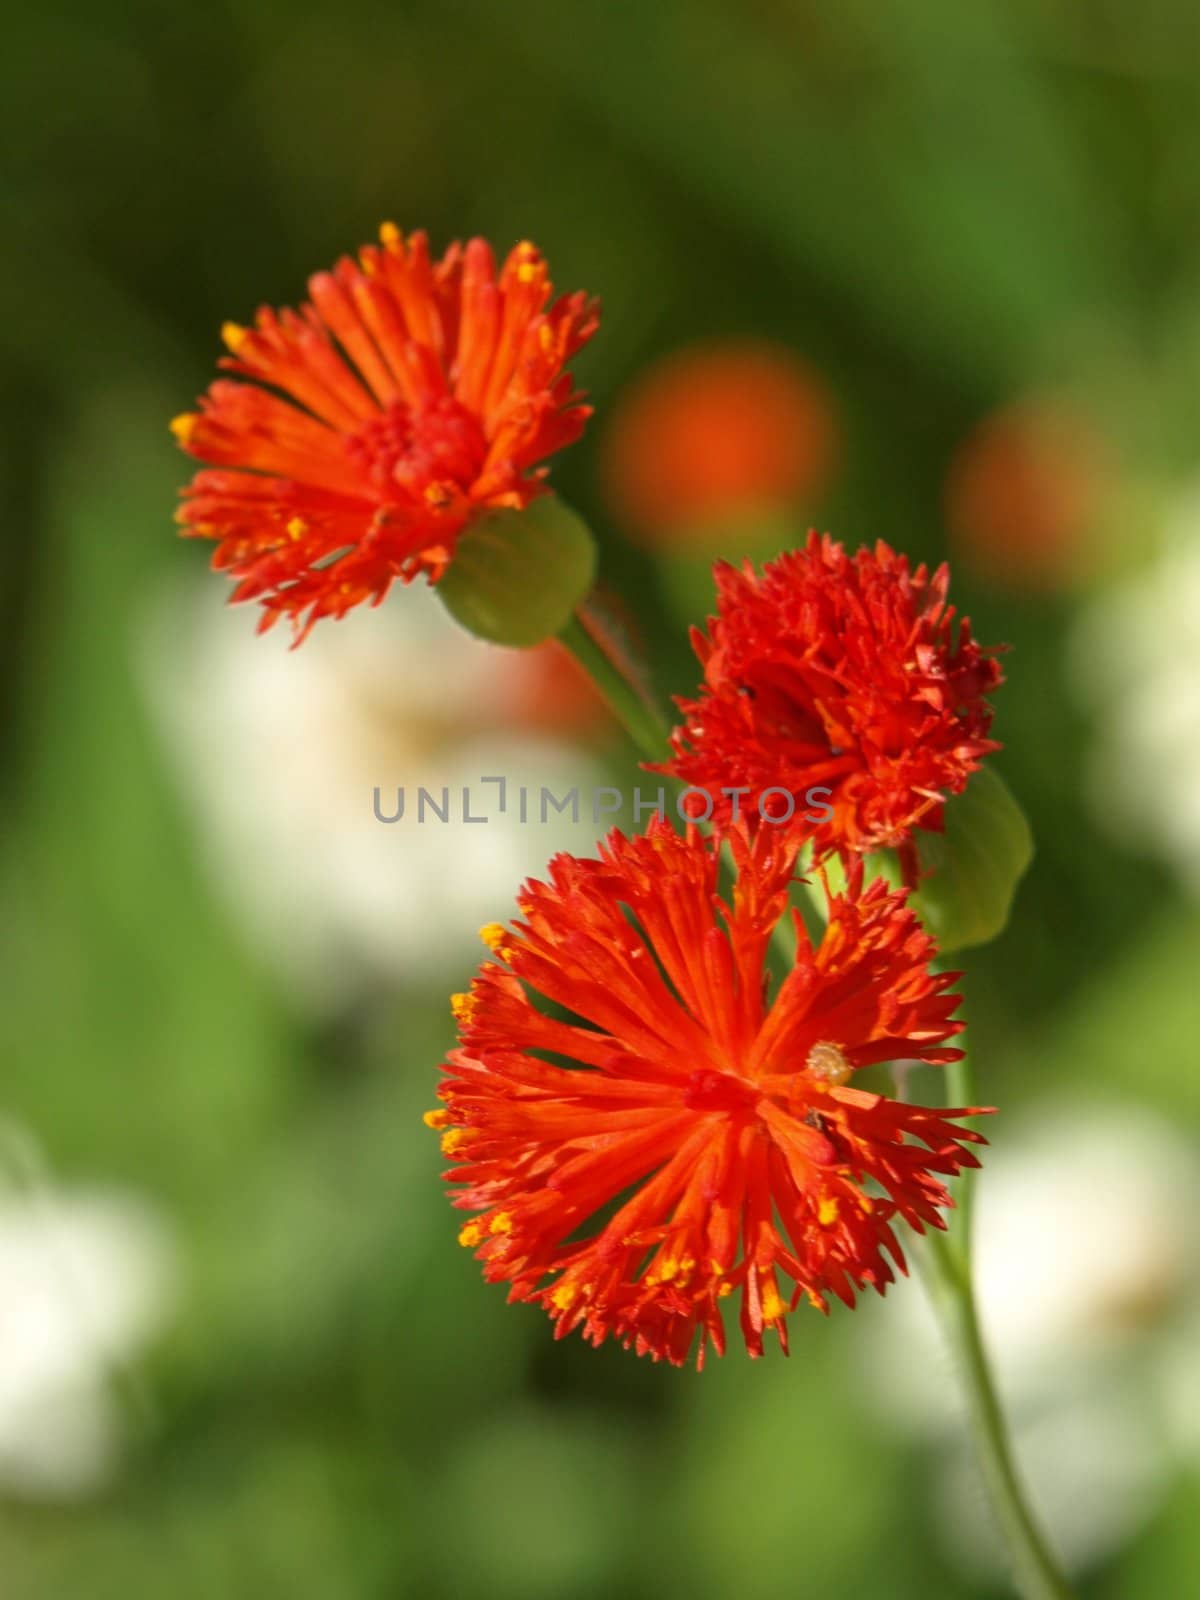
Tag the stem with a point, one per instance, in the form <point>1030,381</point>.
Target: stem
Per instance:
<point>640,720</point>
<point>961,1092</point>
<point>1035,1567</point>
<point>947,1275</point>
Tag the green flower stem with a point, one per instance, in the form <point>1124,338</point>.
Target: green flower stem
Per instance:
<point>1034,1567</point>
<point>641,721</point>
<point>950,1282</point>
<point>960,1091</point>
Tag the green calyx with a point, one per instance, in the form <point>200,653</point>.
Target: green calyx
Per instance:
<point>969,872</point>
<point>517,576</point>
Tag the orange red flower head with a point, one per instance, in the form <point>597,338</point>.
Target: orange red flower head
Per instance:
<point>850,675</point>
<point>641,1130</point>
<point>1025,495</point>
<point>366,430</point>
<point>716,432</point>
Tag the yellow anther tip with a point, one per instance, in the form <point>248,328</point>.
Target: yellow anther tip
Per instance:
<point>529,263</point>
<point>772,1306</point>
<point>297,528</point>
<point>463,1007</point>
<point>493,935</point>
<point>471,1234</point>
<point>501,1222</point>
<point>184,425</point>
<point>454,1139</point>
<point>234,335</point>
<point>390,235</point>
<point>827,1212</point>
<point>438,1118</point>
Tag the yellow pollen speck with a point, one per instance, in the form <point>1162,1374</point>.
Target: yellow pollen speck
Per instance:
<point>463,1007</point>
<point>471,1234</point>
<point>827,1211</point>
<point>564,1297</point>
<point>827,1063</point>
<point>297,528</point>
<point>724,1289</point>
<point>390,235</point>
<point>493,935</point>
<point>546,338</point>
<point>184,426</point>
<point>772,1306</point>
<point>527,268</point>
<point>234,335</point>
<point>439,1118</point>
<point>438,496</point>
<point>454,1139</point>
<point>500,1222</point>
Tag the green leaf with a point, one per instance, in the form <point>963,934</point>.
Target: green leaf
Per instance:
<point>517,576</point>
<point>974,866</point>
<point>969,872</point>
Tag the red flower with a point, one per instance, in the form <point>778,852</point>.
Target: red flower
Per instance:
<point>846,675</point>
<point>677,1137</point>
<point>714,434</point>
<point>411,396</point>
<point>1025,495</point>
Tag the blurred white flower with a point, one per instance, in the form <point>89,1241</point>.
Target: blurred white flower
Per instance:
<point>1134,656</point>
<point>86,1279</point>
<point>1085,1261</point>
<point>280,753</point>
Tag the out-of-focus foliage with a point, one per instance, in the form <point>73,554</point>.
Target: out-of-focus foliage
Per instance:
<point>941,209</point>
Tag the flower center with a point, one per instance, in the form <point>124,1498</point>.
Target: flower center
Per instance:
<point>782,712</point>
<point>435,450</point>
<point>826,1063</point>
<point>709,1090</point>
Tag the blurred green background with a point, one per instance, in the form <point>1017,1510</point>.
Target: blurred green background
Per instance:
<point>946,212</point>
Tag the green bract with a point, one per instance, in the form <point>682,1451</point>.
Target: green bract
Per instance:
<point>517,576</point>
<point>975,865</point>
<point>970,872</point>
